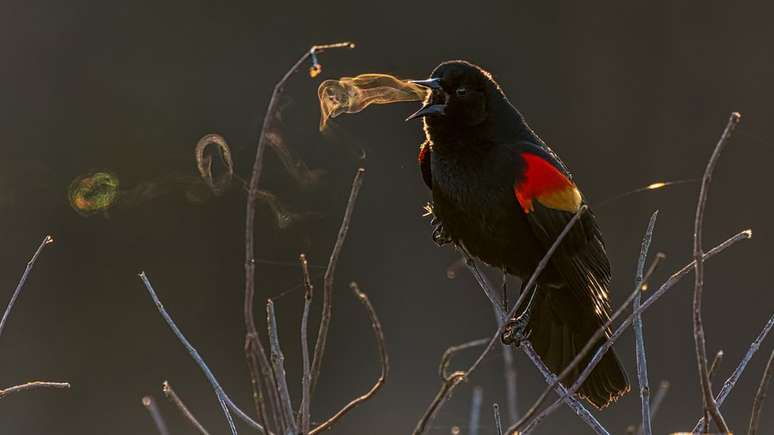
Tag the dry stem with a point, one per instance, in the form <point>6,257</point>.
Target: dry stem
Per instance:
<point>710,407</point>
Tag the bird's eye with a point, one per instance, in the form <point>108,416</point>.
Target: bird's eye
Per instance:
<point>461,92</point>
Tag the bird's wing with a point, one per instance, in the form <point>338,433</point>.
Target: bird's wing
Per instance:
<point>424,163</point>
<point>549,198</point>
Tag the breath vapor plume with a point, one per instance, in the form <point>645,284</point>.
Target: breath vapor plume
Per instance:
<point>353,94</point>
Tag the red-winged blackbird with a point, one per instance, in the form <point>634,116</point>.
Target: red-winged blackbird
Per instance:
<point>502,194</point>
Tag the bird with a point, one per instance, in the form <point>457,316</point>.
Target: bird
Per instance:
<point>503,196</point>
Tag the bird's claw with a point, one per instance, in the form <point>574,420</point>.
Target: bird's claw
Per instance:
<point>514,332</point>
<point>440,237</point>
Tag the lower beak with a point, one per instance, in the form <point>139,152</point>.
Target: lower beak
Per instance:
<point>428,109</point>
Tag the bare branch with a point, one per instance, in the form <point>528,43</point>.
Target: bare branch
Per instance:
<point>668,284</point>
<point>498,421</point>
<point>225,402</point>
<point>256,356</point>
<point>175,399</point>
<point>304,413</point>
<point>385,363</point>
<point>153,410</point>
<point>475,410</point>
<point>698,254</point>
<point>330,271</point>
<point>642,366</point>
<point>451,351</point>
<point>658,399</point>
<point>716,362</point>
<point>32,386</point>
<point>447,387</point>
<point>278,367</point>
<point>731,381</point>
<point>568,398</point>
<point>760,396</point>
<point>22,281</point>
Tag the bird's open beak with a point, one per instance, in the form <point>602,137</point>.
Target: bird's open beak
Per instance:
<point>428,108</point>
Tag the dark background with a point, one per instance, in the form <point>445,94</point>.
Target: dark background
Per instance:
<point>626,92</point>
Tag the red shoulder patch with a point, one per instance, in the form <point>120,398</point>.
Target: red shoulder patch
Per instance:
<point>543,182</point>
<point>422,152</point>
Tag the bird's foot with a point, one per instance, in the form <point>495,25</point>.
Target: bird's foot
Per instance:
<point>514,332</point>
<point>440,237</point>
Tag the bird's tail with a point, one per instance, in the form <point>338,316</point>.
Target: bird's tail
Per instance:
<point>559,327</point>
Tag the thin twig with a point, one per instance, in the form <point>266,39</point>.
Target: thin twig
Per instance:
<point>760,396</point>
<point>255,353</point>
<point>448,387</point>
<point>475,410</point>
<point>716,363</point>
<point>32,386</point>
<point>511,392</point>
<point>642,365</point>
<point>668,284</point>
<point>385,363</point>
<point>698,255</point>
<point>175,399</point>
<point>731,381</point>
<point>658,399</point>
<point>527,349</point>
<point>153,410</point>
<point>278,367</point>
<point>568,398</point>
<point>22,281</point>
<point>304,413</point>
<point>453,350</point>
<point>225,401</point>
<point>330,271</point>
<point>497,419</point>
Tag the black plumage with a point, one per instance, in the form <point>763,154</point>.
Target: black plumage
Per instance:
<point>476,159</point>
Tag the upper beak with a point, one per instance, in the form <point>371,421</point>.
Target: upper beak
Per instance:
<point>429,83</point>
<point>428,109</point>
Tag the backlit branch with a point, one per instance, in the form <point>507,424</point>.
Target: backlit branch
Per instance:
<point>710,407</point>
<point>385,363</point>
<point>255,353</point>
<point>668,284</point>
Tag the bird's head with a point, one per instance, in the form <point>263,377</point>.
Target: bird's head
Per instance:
<point>461,95</point>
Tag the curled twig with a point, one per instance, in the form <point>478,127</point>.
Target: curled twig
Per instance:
<point>710,406</point>
<point>385,363</point>
<point>175,399</point>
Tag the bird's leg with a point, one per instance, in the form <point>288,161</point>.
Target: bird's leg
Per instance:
<point>440,237</point>
<point>514,332</point>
